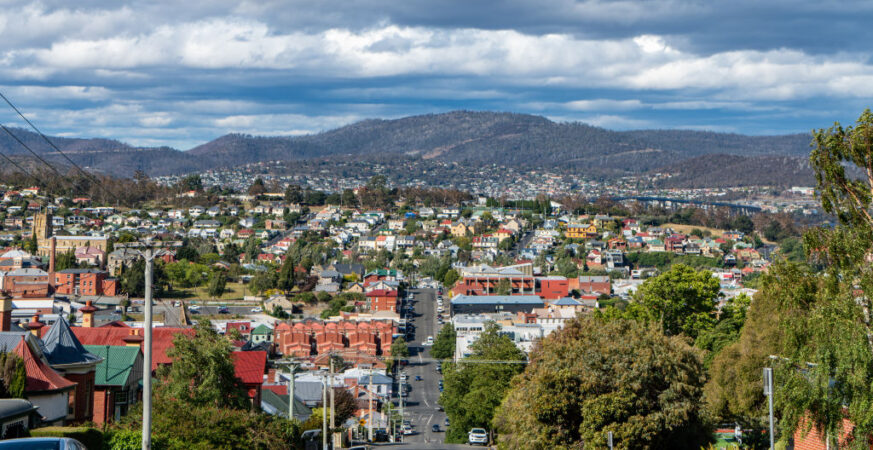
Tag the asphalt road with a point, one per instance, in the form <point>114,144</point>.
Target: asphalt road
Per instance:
<point>420,407</point>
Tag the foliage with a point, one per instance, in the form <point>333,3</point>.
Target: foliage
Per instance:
<point>731,319</point>
<point>133,279</point>
<point>444,344</point>
<point>202,372</point>
<point>663,260</point>
<point>504,287</point>
<point>13,376</point>
<point>733,391</point>
<point>399,350</point>
<point>177,425</point>
<point>680,301</point>
<point>451,277</point>
<point>262,282</point>
<point>217,284</point>
<point>594,376</point>
<point>473,391</point>
<point>65,260</point>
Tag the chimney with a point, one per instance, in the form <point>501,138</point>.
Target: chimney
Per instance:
<point>5,312</point>
<point>35,325</point>
<point>88,314</point>
<point>133,339</point>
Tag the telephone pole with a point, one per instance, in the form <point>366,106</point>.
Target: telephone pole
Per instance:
<point>323,412</point>
<point>149,255</point>
<point>370,407</point>
<point>332,401</point>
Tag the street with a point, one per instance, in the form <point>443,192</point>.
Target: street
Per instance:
<point>420,407</point>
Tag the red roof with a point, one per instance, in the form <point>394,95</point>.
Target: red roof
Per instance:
<point>382,293</point>
<point>162,339</point>
<point>278,389</point>
<point>40,376</point>
<point>243,327</point>
<point>250,367</point>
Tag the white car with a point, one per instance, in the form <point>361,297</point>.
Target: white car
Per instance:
<point>429,341</point>
<point>477,436</point>
<point>257,310</point>
<point>194,308</point>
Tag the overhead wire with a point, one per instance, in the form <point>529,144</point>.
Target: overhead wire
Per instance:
<point>87,175</point>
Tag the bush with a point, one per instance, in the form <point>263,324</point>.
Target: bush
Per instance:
<point>92,438</point>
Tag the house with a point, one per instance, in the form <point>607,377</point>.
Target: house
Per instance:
<point>382,300</point>
<point>91,256</point>
<point>117,381</point>
<point>598,284</point>
<point>44,388</point>
<point>577,231</point>
<point>261,333</point>
<point>85,282</point>
<point>249,368</point>
<point>68,357</point>
<point>196,210</point>
<point>478,304</point>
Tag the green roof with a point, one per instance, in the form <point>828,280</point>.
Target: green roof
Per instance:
<point>262,329</point>
<point>118,362</point>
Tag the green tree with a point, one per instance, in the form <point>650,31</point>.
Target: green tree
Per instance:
<point>191,183</point>
<point>680,301</point>
<point>133,279</point>
<point>504,287</point>
<point>217,284</point>
<point>450,278</point>
<point>65,260</point>
<point>13,376</point>
<point>444,344</point>
<point>30,245</point>
<point>473,391</point>
<point>262,282</point>
<point>202,372</point>
<point>399,350</point>
<point>594,376</point>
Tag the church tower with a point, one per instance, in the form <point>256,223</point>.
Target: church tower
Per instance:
<point>42,226</point>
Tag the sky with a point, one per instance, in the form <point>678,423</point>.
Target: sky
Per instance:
<point>182,73</point>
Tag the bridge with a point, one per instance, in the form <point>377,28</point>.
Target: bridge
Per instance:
<point>670,203</point>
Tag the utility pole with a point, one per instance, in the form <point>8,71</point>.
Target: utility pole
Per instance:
<point>332,402</point>
<point>768,390</point>
<point>147,354</point>
<point>370,408</point>
<point>323,412</point>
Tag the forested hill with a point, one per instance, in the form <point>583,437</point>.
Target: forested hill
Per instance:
<point>518,140</point>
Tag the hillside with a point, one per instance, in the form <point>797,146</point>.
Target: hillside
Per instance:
<point>517,140</point>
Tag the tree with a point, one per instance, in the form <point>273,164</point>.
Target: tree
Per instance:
<point>593,376</point>
<point>191,183</point>
<point>13,376</point>
<point>473,391</point>
<point>345,405</point>
<point>65,260</point>
<point>257,187</point>
<point>202,372</point>
<point>504,287</point>
<point>217,284</point>
<point>444,344</point>
<point>133,279</point>
<point>31,246</point>
<point>399,350</point>
<point>450,278</point>
<point>681,301</point>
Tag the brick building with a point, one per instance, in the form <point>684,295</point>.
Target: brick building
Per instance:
<point>85,282</point>
<point>382,300</point>
<point>552,288</point>
<point>312,338</point>
<point>600,284</point>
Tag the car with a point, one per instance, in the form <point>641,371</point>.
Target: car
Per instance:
<point>223,310</point>
<point>447,421</point>
<point>429,341</point>
<point>257,310</point>
<point>477,436</point>
<point>177,303</point>
<point>418,378</point>
<point>435,428</point>
<point>441,388</point>
<point>406,430</point>
<point>193,308</point>
<point>39,443</point>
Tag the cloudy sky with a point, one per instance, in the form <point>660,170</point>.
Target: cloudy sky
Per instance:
<point>172,73</point>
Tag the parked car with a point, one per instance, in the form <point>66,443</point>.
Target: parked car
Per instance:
<point>429,341</point>
<point>257,310</point>
<point>435,428</point>
<point>42,443</point>
<point>477,436</point>
<point>223,310</point>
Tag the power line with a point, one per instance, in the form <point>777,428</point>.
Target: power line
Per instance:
<point>22,169</point>
<point>50,143</point>
<point>9,132</point>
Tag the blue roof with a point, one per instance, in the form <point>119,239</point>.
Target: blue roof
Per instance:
<point>62,347</point>
<point>567,301</point>
<point>493,299</point>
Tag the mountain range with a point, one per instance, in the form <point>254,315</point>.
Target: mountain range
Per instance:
<point>468,137</point>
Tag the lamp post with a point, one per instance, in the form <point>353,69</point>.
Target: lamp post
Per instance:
<point>768,391</point>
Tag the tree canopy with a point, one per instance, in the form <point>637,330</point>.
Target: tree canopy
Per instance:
<point>595,376</point>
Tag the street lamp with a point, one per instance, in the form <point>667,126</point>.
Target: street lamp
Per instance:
<point>768,391</point>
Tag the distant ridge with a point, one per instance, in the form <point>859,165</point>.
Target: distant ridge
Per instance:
<point>510,139</point>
